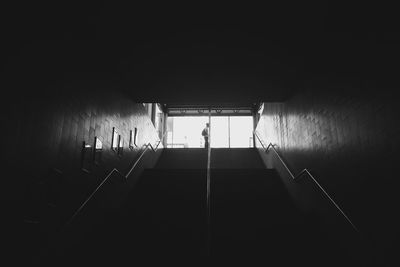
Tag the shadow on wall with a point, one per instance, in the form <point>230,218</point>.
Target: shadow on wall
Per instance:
<point>44,137</point>
<point>349,143</point>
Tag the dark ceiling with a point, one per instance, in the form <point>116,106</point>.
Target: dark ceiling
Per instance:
<point>193,54</point>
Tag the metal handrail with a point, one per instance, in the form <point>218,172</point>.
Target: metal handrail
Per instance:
<point>146,146</point>
<point>304,171</point>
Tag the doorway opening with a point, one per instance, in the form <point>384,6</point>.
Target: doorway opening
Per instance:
<point>226,131</point>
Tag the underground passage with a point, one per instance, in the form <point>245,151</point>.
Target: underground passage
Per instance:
<point>138,137</point>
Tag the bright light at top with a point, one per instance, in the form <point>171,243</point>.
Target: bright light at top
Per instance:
<point>226,131</point>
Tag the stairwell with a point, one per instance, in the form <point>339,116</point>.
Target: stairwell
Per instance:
<point>253,221</point>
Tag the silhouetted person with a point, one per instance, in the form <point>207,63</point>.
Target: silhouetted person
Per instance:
<point>205,133</point>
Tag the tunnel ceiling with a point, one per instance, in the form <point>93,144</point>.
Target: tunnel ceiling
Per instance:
<point>202,56</point>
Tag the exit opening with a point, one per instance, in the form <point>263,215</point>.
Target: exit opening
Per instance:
<point>226,131</point>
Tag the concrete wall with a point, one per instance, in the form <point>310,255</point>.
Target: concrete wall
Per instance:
<point>43,144</point>
<point>348,139</point>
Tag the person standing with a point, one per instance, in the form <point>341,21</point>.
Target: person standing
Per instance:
<point>205,133</point>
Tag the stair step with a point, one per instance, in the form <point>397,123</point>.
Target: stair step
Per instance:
<point>164,220</point>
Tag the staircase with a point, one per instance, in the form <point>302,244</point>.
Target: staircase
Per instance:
<point>164,220</point>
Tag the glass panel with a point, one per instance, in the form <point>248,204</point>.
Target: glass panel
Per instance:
<point>185,132</point>
<point>241,131</point>
<point>219,132</point>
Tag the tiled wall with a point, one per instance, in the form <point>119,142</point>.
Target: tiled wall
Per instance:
<point>349,139</point>
<point>45,131</point>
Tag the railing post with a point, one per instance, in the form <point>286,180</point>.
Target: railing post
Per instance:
<point>165,130</point>
<point>209,187</point>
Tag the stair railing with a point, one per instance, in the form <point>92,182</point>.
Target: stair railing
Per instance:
<point>300,174</point>
<point>145,148</point>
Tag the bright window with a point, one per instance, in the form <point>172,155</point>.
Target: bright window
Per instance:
<point>226,131</point>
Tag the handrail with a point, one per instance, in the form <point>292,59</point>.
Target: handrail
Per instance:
<point>146,146</point>
<point>304,171</point>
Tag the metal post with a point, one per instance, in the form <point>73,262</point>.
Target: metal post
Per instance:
<point>254,126</point>
<point>209,187</point>
<point>229,131</point>
<point>165,130</point>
